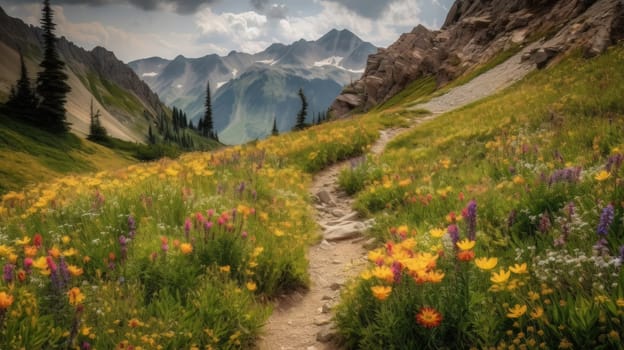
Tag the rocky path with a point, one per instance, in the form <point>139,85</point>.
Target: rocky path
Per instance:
<point>303,320</point>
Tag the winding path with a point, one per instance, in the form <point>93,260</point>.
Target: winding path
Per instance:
<point>303,320</point>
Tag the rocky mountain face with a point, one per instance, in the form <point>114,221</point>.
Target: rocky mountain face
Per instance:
<point>250,91</point>
<point>127,104</point>
<point>475,32</point>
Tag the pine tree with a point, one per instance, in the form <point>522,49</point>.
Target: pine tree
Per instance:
<point>96,131</point>
<point>52,84</point>
<point>303,112</point>
<point>22,100</point>
<point>208,125</point>
<point>274,131</point>
<point>150,136</point>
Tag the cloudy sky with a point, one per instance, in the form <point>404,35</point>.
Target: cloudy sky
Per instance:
<point>136,29</point>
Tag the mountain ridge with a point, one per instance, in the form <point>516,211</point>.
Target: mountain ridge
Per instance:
<point>338,56</point>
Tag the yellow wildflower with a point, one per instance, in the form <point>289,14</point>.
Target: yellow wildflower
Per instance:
<point>5,250</point>
<point>620,302</point>
<point>74,270</point>
<point>486,263</point>
<point>381,292</point>
<point>65,239</point>
<point>24,241</point>
<point>437,232</point>
<point>75,296</point>
<point>602,175</point>
<point>375,255</point>
<point>435,276</point>
<point>278,232</point>
<point>466,244</point>
<point>517,311</point>
<point>501,277</point>
<point>519,268</point>
<point>537,312</point>
<point>251,286</point>
<point>54,251</point>
<point>383,273</point>
<point>70,252</point>
<point>366,275</point>
<point>533,296</point>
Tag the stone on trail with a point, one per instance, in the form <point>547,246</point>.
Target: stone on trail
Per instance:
<point>325,198</point>
<point>326,334</point>
<point>345,231</point>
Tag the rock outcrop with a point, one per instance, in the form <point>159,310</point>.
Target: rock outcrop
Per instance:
<point>474,33</point>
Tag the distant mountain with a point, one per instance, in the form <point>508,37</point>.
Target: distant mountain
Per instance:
<point>250,91</point>
<point>126,103</point>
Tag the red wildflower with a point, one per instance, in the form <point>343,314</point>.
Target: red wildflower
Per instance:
<point>428,317</point>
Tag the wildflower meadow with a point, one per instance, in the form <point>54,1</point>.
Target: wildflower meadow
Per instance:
<point>507,233</point>
<point>173,254</point>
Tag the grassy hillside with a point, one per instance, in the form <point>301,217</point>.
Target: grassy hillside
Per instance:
<point>29,155</point>
<point>506,232</point>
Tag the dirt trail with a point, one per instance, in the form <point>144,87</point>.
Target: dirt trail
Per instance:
<point>482,86</point>
<point>303,320</point>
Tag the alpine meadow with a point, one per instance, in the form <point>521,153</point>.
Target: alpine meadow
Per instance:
<point>460,188</point>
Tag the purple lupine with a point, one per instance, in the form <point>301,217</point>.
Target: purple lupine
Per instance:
<point>601,247</point>
<point>8,273</point>
<point>470,215</point>
<point>614,162</point>
<point>511,218</point>
<point>544,223</point>
<point>606,218</point>
<point>131,226</point>
<point>64,273</point>
<point>123,242</point>
<point>621,251</point>
<point>453,232</point>
<point>570,175</point>
<point>85,346</point>
<point>187,228</point>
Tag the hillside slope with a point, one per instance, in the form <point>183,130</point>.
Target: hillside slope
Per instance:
<point>126,103</point>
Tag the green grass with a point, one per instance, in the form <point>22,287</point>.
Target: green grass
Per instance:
<point>416,91</point>
<point>29,155</point>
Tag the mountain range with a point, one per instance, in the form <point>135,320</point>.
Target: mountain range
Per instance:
<point>250,91</point>
<point>127,105</point>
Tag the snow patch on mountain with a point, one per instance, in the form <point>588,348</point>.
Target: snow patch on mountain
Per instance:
<point>330,61</point>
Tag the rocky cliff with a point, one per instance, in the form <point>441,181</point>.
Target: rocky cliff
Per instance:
<point>474,33</point>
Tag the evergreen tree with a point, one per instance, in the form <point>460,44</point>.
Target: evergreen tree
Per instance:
<point>150,136</point>
<point>303,112</point>
<point>208,125</point>
<point>274,131</point>
<point>96,131</point>
<point>52,84</point>
<point>22,101</point>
